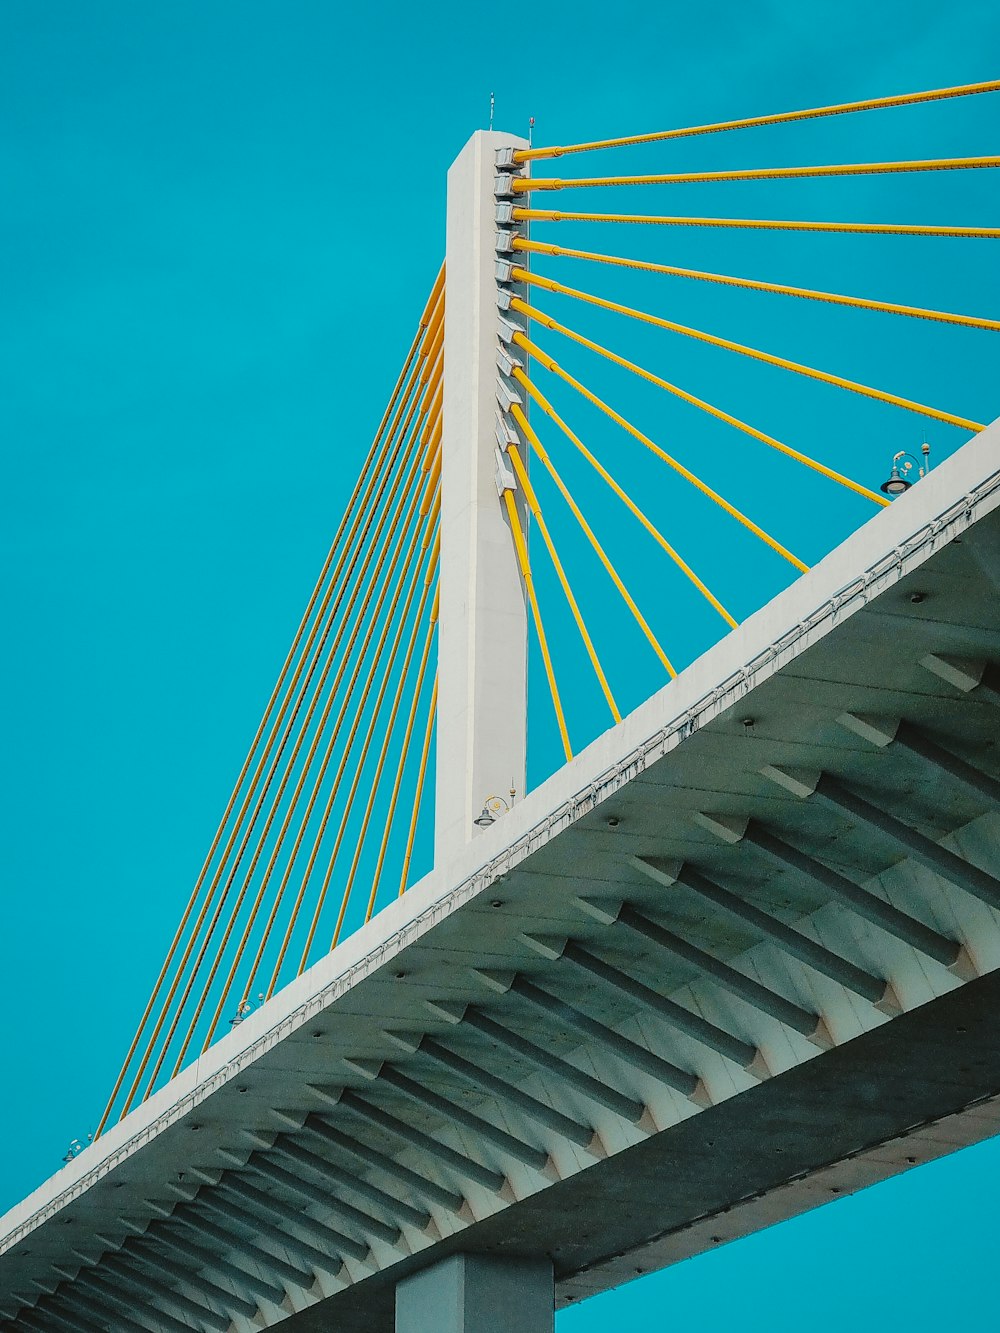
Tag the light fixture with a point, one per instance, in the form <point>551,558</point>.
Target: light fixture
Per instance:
<point>244,1009</point>
<point>493,806</point>
<point>897,481</point>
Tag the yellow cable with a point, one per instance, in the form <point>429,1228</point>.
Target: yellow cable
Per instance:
<point>430,487</point>
<point>781,289</point>
<point>376,580</point>
<point>358,712</point>
<point>532,184</point>
<point>521,547</point>
<point>434,439</point>
<point>307,614</point>
<point>383,686</point>
<point>384,585</point>
<point>418,408</point>
<point>433,420</point>
<point>431,571</point>
<point>518,414</point>
<point>759,224</point>
<point>688,475</point>
<point>431,429</point>
<point>754,122</point>
<point>380,761</point>
<point>522,275</point>
<point>409,454</point>
<point>321,614</point>
<point>421,775</point>
<point>435,351</point>
<point>433,316</point>
<point>403,754</point>
<point>521,472</point>
<point>434,296</point>
<point>289,766</point>
<point>434,334</point>
<point>547,322</point>
<point>630,504</point>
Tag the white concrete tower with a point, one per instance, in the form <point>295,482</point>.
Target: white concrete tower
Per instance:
<point>482,632</point>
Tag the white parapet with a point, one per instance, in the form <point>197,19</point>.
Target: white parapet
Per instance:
<point>483,627</point>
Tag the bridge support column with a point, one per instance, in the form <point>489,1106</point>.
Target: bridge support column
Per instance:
<point>482,628</point>
<point>477,1293</point>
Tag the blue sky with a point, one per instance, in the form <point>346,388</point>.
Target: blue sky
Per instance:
<point>220,222</point>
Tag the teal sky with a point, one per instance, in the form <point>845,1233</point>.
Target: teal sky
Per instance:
<point>219,223</point>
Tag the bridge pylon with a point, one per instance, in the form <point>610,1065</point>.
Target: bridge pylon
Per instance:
<point>481,730</point>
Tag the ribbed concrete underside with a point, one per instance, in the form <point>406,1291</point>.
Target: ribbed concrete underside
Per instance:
<point>816,1133</point>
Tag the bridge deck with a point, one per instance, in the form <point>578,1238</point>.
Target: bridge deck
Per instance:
<point>626,1024</point>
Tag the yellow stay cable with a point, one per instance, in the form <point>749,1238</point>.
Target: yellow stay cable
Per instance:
<point>522,275</point>
<point>388,544</point>
<point>358,712</point>
<point>435,348</point>
<point>422,402</point>
<point>385,455</point>
<point>521,472</point>
<point>626,499</point>
<point>434,435</point>
<point>781,289</point>
<point>431,571</point>
<point>403,755</point>
<point>336,731</point>
<point>755,122</point>
<point>433,476</point>
<point>435,294</point>
<point>678,467</point>
<point>250,872</point>
<point>521,547</point>
<point>547,322</point>
<point>435,325</point>
<point>418,794</point>
<point>383,752</point>
<point>433,417</point>
<point>533,184</point>
<point>383,686</point>
<point>307,614</point>
<point>383,583</point>
<point>435,408</point>
<point>759,224</point>
<point>408,453</point>
<point>541,453</point>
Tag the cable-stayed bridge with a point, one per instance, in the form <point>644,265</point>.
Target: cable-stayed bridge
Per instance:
<point>736,957</point>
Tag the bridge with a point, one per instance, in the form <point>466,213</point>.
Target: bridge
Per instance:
<point>735,958</point>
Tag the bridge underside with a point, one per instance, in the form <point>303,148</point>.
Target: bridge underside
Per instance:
<point>896,1098</point>
<point>737,959</point>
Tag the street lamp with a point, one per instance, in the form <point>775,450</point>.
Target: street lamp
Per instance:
<point>897,481</point>
<point>493,806</point>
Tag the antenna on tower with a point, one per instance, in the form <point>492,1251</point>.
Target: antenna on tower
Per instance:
<point>492,103</point>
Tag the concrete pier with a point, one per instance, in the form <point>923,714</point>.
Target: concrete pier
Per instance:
<point>478,1293</point>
